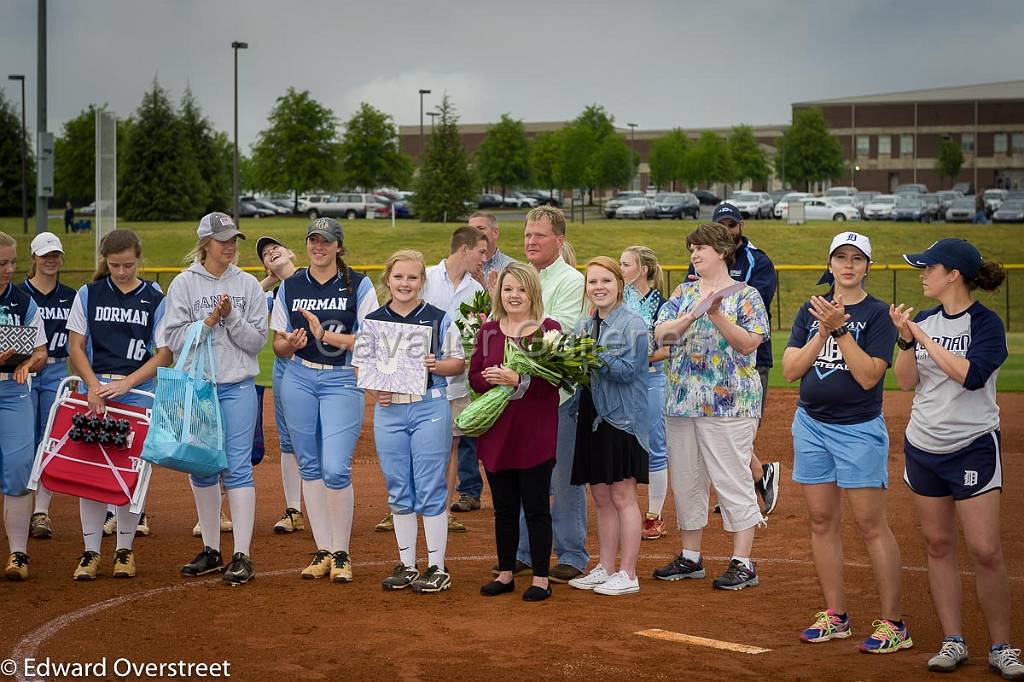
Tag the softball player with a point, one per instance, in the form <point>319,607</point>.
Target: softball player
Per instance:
<point>115,333</point>
<point>279,263</point>
<point>16,415</point>
<point>54,302</point>
<point>950,355</point>
<point>230,303</point>
<point>839,349</point>
<point>642,273</point>
<point>315,320</point>
<point>416,479</point>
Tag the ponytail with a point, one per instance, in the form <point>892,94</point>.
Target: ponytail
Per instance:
<point>646,257</point>
<point>346,274</point>
<point>990,276</point>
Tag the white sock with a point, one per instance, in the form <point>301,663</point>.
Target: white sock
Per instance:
<point>435,528</point>
<point>43,497</point>
<point>314,492</point>
<point>208,503</point>
<point>690,555</point>
<point>745,560</point>
<point>93,514</point>
<point>243,514</point>
<point>291,480</point>
<point>126,519</point>
<point>340,508</point>
<point>17,519</point>
<point>111,508</point>
<point>657,490</point>
<point>406,530</point>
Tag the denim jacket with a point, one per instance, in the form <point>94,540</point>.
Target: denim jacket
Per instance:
<point>619,387</point>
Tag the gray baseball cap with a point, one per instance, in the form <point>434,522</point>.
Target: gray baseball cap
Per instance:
<point>218,225</point>
<point>328,228</point>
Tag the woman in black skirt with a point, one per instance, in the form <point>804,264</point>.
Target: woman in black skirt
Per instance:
<point>612,429</point>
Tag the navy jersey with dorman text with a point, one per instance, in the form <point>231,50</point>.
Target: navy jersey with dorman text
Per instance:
<point>54,308</point>
<point>19,310</point>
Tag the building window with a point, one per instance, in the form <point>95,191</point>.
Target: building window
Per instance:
<point>1018,143</point>
<point>884,145</point>
<point>863,145</point>
<point>906,145</point>
<point>967,143</point>
<point>999,143</point>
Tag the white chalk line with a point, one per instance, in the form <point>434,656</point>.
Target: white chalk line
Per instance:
<point>683,638</point>
<point>29,643</point>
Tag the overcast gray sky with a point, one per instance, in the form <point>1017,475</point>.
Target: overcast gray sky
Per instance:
<point>657,63</point>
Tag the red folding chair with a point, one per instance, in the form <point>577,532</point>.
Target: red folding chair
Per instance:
<point>104,473</point>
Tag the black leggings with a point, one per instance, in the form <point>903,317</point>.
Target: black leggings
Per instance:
<point>529,489</point>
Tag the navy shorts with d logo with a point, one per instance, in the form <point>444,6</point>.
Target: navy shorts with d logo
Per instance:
<point>965,473</point>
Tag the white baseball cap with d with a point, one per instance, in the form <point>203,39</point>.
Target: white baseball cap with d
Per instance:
<point>854,239</point>
<point>218,225</point>
<point>46,242</point>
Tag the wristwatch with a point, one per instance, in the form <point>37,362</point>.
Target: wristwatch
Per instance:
<point>905,345</point>
<point>839,331</point>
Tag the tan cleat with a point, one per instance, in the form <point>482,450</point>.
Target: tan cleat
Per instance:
<point>291,521</point>
<point>341,568</point>
<point>319,567</point>
<point>385,525</point>
<point>456,526</point>
<point>225,523</point>
<point>109,524</point>
<point>17,566</point>
<point>124,563</point>
<point>143,527</point>
<point>39,527</point>
<point>88,566</point>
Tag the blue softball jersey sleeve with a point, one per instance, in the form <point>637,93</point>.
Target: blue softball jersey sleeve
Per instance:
<point>988,347</point>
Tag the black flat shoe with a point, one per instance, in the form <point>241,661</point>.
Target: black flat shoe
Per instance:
<point>496,587</point>
<point>535,593</point>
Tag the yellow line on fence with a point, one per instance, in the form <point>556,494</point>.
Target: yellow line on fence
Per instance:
<point>681,638</point>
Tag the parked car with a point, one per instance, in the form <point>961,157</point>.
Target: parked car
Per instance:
<point>962,210</point>
<point>864,198</point>
<point>964,188</point>
<point>993,198</point>
<point>706,197</point>
<point>933,206</point>
<point>87,210</point>
<point>520,200</point>
<point>777,194</point>
<point>543,198</point>
<point>677,205</point>
<point>1011,211</point>
<point>264,203</point>
<point>840,192</point>
<point>752,204</point>
<point>248,210</point>
<point>786,199</point>
<point>947,198</point>
<point>402,208</point>
<point>348,205</point>
<point>618,200</point>
<point>911,208</point>
<point>487,200</point>
<point>638,208</point>
<point>879,208</point>
<point>823,208</point>
<point>911,188</point>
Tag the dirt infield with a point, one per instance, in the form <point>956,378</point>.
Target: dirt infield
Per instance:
<point>280,627</point>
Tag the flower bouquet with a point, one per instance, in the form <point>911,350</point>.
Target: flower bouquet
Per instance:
<point>472,315</point>
<point>563,360</point>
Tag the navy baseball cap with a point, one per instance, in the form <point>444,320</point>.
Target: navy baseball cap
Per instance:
<point>328,228</point>
<point>726,210</point>
<point>955,254</point>
<point>264,242</point>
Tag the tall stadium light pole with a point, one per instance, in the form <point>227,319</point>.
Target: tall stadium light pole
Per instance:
<point>42,203</point>
<point>24,156</point>
<point>236,46</point>
<point>632,146</point>
<point>433,117</point>
<point>422,92</point>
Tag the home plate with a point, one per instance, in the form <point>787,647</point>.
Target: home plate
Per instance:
<point>670,636</point>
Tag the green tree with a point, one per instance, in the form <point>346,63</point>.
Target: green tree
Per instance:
<point>504,156</point>
<point>161,178</point>
<point>749,160</point>
<point>613,164</point>
<point>299,150</point>
<point>711,159</point>
<point>599,121</point>
<point>446,181</point>
<point>579,145</point>
<point>11,142</point>
<point>213,152</point>
<point>370,155</point>
<point>586,158</point>
<point>668,159</point>
<point>949,160</point>
<point>546,159</point>
<point>807,152</point>
<point>74,162</point>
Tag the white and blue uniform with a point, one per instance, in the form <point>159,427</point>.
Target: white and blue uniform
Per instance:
<point>283,439</point>
<point>17,418</point>
<point>53,308</point>
<point>839,433</point>
<point>648,307</point>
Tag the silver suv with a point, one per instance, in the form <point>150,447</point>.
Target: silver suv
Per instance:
<point>345,205</point>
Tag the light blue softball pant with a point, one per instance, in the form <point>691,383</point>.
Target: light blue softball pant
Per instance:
<point>655,407</point>
<point>17,450</point>
<point>413,445</point>
<point>324,411</point>
<point>129,398</point>
<point>283,439</point>
<point>238,416</point>
<point>44,392</point>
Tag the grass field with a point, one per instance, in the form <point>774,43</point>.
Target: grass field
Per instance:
<point>370,242</point>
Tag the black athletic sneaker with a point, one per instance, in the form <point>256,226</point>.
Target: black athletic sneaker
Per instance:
<point>680,568</point>
<point>434,580</point>
<point>768,486</point>
<point>736,577</point>
<point>401,577</point>
<point>207,561</point>
<point>239,571</point>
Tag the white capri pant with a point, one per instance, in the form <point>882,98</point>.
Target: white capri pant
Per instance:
<point>706,451</point>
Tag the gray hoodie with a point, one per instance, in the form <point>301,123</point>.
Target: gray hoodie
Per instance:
<point>236,339</point>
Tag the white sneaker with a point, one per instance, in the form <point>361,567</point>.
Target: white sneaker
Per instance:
<point>598,576</point>
<point>1006,662</point>
<point>618,583</point>
<point>951,656</point>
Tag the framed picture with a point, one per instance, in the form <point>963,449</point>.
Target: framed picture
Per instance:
<point>21,339</point>
<point>390,356</point>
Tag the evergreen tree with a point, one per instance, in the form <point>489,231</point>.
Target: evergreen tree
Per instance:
<point>74,152</point>
<point>446,181</point>
<point>749,160</point>
<point>807,151</point>
<point>11,142</point>
<point>213,152</point>
<point>370,153</point>
<point>546,159</point>
<point>504,157</point>
<point>161,178</point>
<point>950,159</point>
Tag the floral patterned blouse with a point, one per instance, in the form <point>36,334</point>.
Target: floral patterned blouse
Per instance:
<point>706,376</point>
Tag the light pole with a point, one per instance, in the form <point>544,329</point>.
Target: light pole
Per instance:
<point>433,117</point>
<point>632,146</point>
<point>422,92</point>
<point>236,46</point>
<point>24,155</point>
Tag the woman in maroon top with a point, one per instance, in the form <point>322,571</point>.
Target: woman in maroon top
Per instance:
<point>518,465</point>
